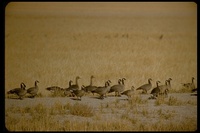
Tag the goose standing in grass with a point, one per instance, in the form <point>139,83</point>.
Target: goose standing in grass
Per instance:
<point>19,91</point>
<point>146,87</point>
<point>108,87</point>
<point>155,91</point>
<point>91,88</point>
<point>121,89</point>
<point>113,88</point>
<point>103,90</point>
<point>168,87</point>
<point>67,91</point>
<point>189,85</point>
<point>169,83</point>
<point>128,93</point>
<point>75,86</point>
<point>118,88</point>
<point>70,84</point>
<point>79,93</point>
<point>164,89</point>
<point>33,90</point>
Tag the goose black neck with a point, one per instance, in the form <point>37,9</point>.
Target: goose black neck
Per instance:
<point>149,81</point>
<point>192,80</point>
<point>123,81</point>
<point>70,83</point>
<point>76,81</point>
<point>119,81</point>
<point>35,83</point>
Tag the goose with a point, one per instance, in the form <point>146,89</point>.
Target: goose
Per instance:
<point>113,88</point>
<point>168,86</point>
<point>67,91</point>
<point>155,90</point>
<point>19,91</point>
<point>75,86</point>
<point>33,90</point>
<point>164,88</point>
<point>90,88</point>
<point>128,93</point>
<point>169,83</point>
<point>118,88</point>
<point>103,90</point>
<point>70,84</point>
<point>108,87</point>
<point>189,85</point>
<point>79,93</point>
<point>146,87</point>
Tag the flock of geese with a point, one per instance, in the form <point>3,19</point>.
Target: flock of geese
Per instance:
<point>119,89</point>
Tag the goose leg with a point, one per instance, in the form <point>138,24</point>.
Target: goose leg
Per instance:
<point>119,94</point>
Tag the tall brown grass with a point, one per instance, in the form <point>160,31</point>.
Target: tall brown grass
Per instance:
<point>47,123</point>
<point>43,118</point>
<point>54,43</point>
<point>173,101</point>
<point>56,47</point>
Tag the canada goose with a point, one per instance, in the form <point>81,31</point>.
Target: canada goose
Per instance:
<point>164,88</point>
<point>103,90</point>
<point>113,88</point>
<point>169,83</point>
<point>33,90</point>
<point>128,93</point>
<point>146,87</point>
<point>79,93</point>
<point>90,87</point>
<point>108,87</point>
<point>19,91</point>
<point>70,84</point>
<point>75,86</point>
<point>67,91</point>
<point>189,85</point>
<point>155,90</point>
<point>168,86</point>
<point>118,88</point>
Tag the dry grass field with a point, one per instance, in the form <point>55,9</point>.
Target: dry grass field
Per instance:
<point>178,112</point>
<point>55,42</point>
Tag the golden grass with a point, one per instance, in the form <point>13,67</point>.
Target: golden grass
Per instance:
<point>60,109</point>
<point>173,101</point>
<point>137,99</point>
<point>42,118</point>
<point>46,123</point>
<point>166,114</point>
<point>181,89</point>
<point>132,40</point>
<point>55,48</point>
<point>81,110</point>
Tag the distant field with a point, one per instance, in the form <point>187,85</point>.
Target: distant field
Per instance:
<point>54,43</point>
